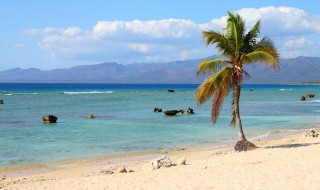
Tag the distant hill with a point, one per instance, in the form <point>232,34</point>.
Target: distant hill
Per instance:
<point>295,70</point>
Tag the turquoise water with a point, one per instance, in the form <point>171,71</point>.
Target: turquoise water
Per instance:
<point>126,122</point>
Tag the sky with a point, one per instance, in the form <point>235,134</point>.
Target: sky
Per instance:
<point>51,34</point>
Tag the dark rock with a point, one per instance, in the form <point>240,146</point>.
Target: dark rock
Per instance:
<point>188,111</point>
<point>157,110</point>
<point>310,95</point>
<point>303,98</point>
<point>1,101</point>
<point>121,169</point>
<point>171,112</point>
<point>91,116</point>
<point>170,90</point>
<point>49,119</point>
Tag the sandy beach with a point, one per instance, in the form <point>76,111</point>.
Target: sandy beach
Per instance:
<point>288,163</point>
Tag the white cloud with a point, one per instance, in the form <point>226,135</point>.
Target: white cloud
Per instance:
<point>171,39</point>
<point>300,47</point>
<point>298,43</point>
<point>140,47</point>
<point>282,21</point>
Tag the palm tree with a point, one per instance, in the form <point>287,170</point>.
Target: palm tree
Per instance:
<point>236,48</point>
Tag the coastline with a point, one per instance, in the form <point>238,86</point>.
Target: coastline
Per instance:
<point>108,160</point>
<point>94,168</point>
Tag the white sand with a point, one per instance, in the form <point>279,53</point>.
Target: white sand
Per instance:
<point>289,163</point>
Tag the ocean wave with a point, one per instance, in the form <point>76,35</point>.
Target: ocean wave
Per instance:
<point>89,92</point>
<point>19,93</point>
<point>25,93</point>
<point>315,101</point>
<point>282,89</point>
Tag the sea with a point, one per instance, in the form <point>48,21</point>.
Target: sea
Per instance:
<point>125,121</point>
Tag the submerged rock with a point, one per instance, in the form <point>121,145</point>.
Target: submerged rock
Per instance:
<point>1,101</point>
<point>49,119</point>
<point>170,91</point>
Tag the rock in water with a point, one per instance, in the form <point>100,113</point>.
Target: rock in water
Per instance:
<point>49,119</point>
<point>157,110</point>
<point>310,95</point>
<point>171,112</point>
<point>1,101</point>
<point>188,111</point>
<point>91,116</point>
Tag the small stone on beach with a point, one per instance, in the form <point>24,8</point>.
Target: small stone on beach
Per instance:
<point>182,161</point>
<point>312,133</point>
<point>122,169</point>
<point>162,161</point>
<point>107,172</point>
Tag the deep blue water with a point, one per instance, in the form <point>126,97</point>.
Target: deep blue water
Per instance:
<point>126,122</point>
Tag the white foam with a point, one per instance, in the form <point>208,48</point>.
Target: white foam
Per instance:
<point>90,92</point>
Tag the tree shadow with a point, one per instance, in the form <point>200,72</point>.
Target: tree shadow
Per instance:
<point>291,145</point>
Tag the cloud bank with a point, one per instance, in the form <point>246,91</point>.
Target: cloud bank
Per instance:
<point>292,29</point>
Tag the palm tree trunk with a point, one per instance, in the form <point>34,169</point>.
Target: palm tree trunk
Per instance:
<point>237,91</point>
<point>242,144</point>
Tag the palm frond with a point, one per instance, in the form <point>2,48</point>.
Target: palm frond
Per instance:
<point>236,30</point>
<point>217,85</point>
<point>218,39</point>
<point>249,39</point>
<point>217,103</point>
<point>261,56</point>
<point>266,45</point>
<point>210,65</point>
<point>209,87</point>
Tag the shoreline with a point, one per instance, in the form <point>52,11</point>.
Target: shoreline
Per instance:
<point>109,160</point>
<point>291,160</point>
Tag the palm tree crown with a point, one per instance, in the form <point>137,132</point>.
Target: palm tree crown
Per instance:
<point>236,47</point>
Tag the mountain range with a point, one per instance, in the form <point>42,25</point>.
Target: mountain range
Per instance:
<point>293,70</point>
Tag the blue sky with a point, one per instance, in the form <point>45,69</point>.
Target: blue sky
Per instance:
<point>50,34</point>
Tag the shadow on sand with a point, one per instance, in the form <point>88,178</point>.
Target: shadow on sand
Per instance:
<point>291,145</point>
